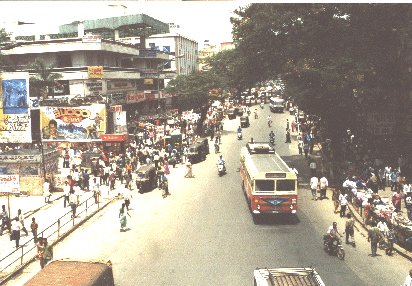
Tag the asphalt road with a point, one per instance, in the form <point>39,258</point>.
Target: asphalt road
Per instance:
<point>203,234</point>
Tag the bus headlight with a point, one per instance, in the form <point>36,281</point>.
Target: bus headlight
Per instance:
<point>294,201</point>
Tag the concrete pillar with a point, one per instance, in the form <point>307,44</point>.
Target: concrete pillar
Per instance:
<point>80,29</point>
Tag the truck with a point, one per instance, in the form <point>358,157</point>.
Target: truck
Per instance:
<point>74,273</point>
<point>287,277</point>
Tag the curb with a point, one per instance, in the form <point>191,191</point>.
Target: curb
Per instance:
<point>76,226</point>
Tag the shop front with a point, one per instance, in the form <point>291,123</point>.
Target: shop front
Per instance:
<point>24,170</point>
<point>115,143</point>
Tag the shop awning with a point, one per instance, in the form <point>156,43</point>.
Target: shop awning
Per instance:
<point>114,137</point>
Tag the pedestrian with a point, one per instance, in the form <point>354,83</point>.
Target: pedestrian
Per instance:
<point>166,167</point>
<point>21,220</point>
<point>66,193</point>
<point>189,170</point>
<point>287,124</point>
<point>112,180</point>
<point>300,146</point>
<point>374,235</point>
<point>96,191</point>
<point>306,149</point>
<point>288,136</point>
<point>349,229</point>
<point>123,213</point>
<point>323,182</point>
<point>314,184</point>
<point>408,204</point>
<point>394,180</point>
<point>40,252</point>
<point>408,279</point>
<point>73,203</point>
<point>15,230</point>
<point>397,200</point>
<point>126,197</point>
<point>335,199</point>
<point>85,180</point>
<point>46,191</point>
<point>4,219</point>
<point>34,227</point>
<point>343,202</point>
<point>312,167</point>
<point>48,252</point>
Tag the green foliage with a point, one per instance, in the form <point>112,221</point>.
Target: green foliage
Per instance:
<point>336,59</point>
<point>43,79</point>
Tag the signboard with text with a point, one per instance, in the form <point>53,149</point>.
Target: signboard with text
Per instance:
<point>95,72</point>
<point>10,184</point>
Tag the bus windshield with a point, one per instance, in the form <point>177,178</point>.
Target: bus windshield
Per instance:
<point>285,185</point>
<point>264,186</point>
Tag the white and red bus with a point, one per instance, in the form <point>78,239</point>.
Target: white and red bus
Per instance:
<point>268,182</point>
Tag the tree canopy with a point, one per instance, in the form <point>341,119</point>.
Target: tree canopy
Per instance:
<point>336,59</point>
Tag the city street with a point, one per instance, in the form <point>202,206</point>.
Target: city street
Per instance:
<point>203,234</point>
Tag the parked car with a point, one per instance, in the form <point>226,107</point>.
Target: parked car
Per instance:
<point>197,152</point>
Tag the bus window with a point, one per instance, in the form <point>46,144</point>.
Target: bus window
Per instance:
<point>285,185</point>
<point>264,186</point>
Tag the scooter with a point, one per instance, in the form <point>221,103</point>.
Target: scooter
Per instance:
<point>221,169</point>
<point>239,135</point>
<point>333,246</point>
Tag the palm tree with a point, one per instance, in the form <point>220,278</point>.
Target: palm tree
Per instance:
<point>44,78</point>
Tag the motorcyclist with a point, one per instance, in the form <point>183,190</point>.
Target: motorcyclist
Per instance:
<point>272,135</point>
<point>221,161</point>
<point>261,105</point>
<point>216,146</point>
<point>333,233</point>
<point>269,120</point>
<point>239,130</point>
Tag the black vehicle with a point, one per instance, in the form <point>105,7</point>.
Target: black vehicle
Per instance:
<point>244,121</point>
<point>333,246</point>
<point>205,142</point>
<point>231,114</point>
<point>146,178</point>
<point>197,152</point>
<point>238,111</point>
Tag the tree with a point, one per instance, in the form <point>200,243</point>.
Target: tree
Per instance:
<point>43,80</point>
<point>338,60</point>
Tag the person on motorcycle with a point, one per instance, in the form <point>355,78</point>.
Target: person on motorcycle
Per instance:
<point>333,233</point>
<point>216,146</point>
<point>221,161</point>
<point>272,135</point>
<point>239,130</point>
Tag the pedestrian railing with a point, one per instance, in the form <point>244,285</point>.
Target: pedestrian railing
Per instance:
<point>27,252</point>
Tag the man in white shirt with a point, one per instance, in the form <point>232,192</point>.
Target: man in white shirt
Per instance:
<point>46,191</point>
<point>15,230</point>
<point>66,192</point>
<point>323,182</point>
<point>314,182</point>
<point>343,201</point>
<point>408,279</point>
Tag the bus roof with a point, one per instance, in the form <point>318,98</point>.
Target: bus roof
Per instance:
<point>288,277</point>
<point>264,162</point>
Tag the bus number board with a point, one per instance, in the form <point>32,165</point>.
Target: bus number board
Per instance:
<point>275,175</point>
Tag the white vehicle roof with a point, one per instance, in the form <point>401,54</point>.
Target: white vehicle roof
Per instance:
<point>287,277</point>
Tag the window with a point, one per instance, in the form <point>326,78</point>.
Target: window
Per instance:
<point>264,186</point>
<point>64,60</point>
<point>285,185</point>
<point>152,46</point>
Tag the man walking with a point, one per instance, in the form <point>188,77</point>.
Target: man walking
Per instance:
<point>21,220</point>
<point>34,227</point>
<point>343,201</point>
<point>66,192</point>
<point>374,235</point>
<point>4,219</point>
<point>323,182</point>
<point>314,183</point>
<point>73,203</point>
<point>15,230</point>
<point>46,191</point>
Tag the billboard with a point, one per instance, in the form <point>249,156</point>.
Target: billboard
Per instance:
<point>81,123</point>
<point>15,124</point>
<point>10,184</point>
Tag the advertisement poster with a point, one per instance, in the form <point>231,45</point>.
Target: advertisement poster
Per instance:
<point>81,123</point>
<point>10,184</point>
<point>15,125</point>
<point>120,124</point>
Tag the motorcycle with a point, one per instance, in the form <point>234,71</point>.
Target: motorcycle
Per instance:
<point>269,123</point>
<point>239,135</point>
<point>272,141</point>
<point>261,105</point>
<point>221,169</point>
<point>216,148</point>
<point>333,246</point>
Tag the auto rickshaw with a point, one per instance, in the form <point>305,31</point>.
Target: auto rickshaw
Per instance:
<point>146,178</point>
<point>196,152</point>
<point>231,114</point>
<point>244,121</point>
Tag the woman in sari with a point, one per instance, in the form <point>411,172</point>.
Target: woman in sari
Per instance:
<point>123,213</point>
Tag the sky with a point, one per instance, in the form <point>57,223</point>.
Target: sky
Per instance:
<point>198,20</point>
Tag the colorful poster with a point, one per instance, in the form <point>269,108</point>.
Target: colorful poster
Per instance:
<point>95,72</point>
<point>120,123</point>
<point>81,123</point>
<point>15,124</point>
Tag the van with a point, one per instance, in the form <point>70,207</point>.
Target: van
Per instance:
<point>74,273</point>
<point>277,104</point>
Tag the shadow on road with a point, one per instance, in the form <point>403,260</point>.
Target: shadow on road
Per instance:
<point>276,219</point>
